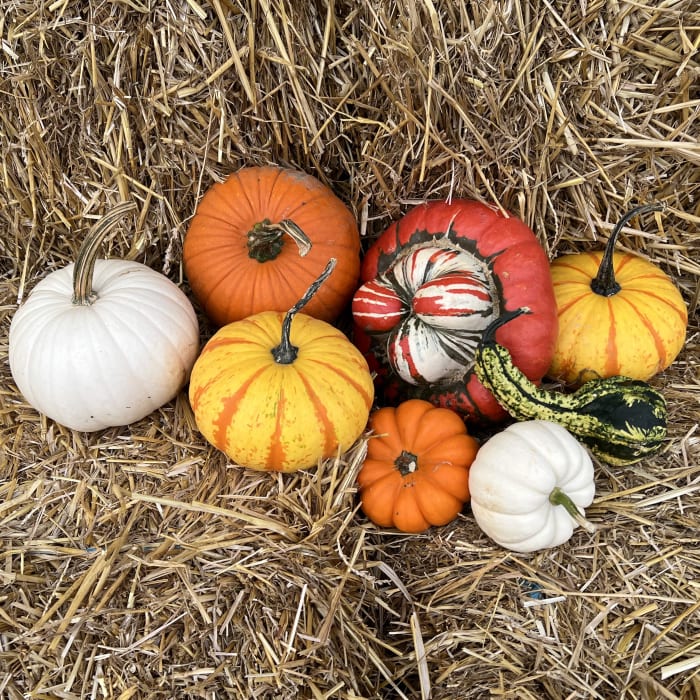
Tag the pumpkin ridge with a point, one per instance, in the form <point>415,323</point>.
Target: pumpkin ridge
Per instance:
<point>242,188</point>
<point>432,474</point>
<point>612,364</point>
<point>276,454</point>
<point>659,345</point>
<point>585,294</point>
<point>383,424</point>
<point>681,313</point>
<point>329,432</point>
<point>229,406</point>
<point>144,303</point>
<point>438,508</point>
<point>347,378</point>
<point>112,331</point>
<point>569,265</point>
<point>385,492</point>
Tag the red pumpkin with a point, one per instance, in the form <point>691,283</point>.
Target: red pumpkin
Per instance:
<point>260,238</point>
<point>432,282</point>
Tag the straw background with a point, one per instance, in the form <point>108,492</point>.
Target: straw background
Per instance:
<point>137,562</point>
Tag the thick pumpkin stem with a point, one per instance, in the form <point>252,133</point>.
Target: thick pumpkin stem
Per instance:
<point>84,268</point>
<point>559,498</point>
<point>265,239</point>
<point>604,283</point>
<point>406,463</point>
<point>285,353</point>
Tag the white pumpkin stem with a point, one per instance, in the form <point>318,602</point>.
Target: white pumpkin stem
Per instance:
<point>559,498</point>
<point>285,353</point>
<point>84,268</point>
<point>604,283</point>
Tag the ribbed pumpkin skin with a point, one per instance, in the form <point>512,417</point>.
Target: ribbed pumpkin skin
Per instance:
<point>404,331</point>
<point>110,363</point>
<point>231,285</point>
<point>636,333</point>
<point>280,417</point>
<point>433,489</point>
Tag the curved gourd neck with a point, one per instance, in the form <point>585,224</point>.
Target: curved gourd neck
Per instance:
<point>489,334</point>
<point>285,353</point>
<point>604,283</point>
<point>84,268</point>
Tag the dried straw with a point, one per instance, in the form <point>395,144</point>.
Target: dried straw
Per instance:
<point>138,562</point>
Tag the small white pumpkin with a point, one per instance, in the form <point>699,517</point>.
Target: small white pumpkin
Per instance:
<point>102,343</point>
<point>529,486</point>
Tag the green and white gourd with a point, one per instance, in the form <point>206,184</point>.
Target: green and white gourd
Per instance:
<point>621,420</point>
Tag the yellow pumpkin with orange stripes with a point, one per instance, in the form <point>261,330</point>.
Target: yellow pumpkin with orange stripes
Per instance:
<point>618,314</point>
<point>279,392</point>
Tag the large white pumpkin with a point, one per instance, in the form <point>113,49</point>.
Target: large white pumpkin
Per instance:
<point>103,342</point>
<point>529,485</point>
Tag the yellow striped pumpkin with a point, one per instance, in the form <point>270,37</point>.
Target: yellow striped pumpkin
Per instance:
<point>278,392</point>
<point>618,314</point>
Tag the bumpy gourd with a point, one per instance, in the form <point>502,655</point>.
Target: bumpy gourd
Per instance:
<point>621,420</point>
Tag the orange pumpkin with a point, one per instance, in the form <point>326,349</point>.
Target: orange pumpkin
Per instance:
<point>260,238</point>
<point>416,473</point>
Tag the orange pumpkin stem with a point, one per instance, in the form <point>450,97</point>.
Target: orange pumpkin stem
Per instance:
<point>265,239</point>
<point>84,268</point>
<point>285,353</point>
<point>604,283</point>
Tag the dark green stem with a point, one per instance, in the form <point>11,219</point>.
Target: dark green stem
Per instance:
<point>406,463</point>
<point>285,353</point>
<point>489,334</point>
<point>265,239</point>
<point>604,283</point>
<point>84,268</point>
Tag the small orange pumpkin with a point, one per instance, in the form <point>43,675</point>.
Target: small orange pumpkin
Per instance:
<point>416,473</point>
<point>260,238</point>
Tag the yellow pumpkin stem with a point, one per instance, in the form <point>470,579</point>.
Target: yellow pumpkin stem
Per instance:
<point>84,268</point>
<point>559,498</point>
<point>265,239</point>
<point>604,283</point>
<point>285,353</point>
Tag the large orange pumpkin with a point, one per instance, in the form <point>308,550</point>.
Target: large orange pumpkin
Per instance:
<point>261,237</point>
<point>618,314</point>
<point>416,473</point>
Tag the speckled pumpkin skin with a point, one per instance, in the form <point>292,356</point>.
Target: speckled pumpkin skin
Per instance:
<point>637,332</point>
<point>280,417</point>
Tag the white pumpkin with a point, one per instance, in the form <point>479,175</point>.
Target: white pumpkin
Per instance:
<point>103,342</point>
<point>529,486</point>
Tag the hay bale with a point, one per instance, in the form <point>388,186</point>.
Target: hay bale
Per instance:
<point>138,562</point>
